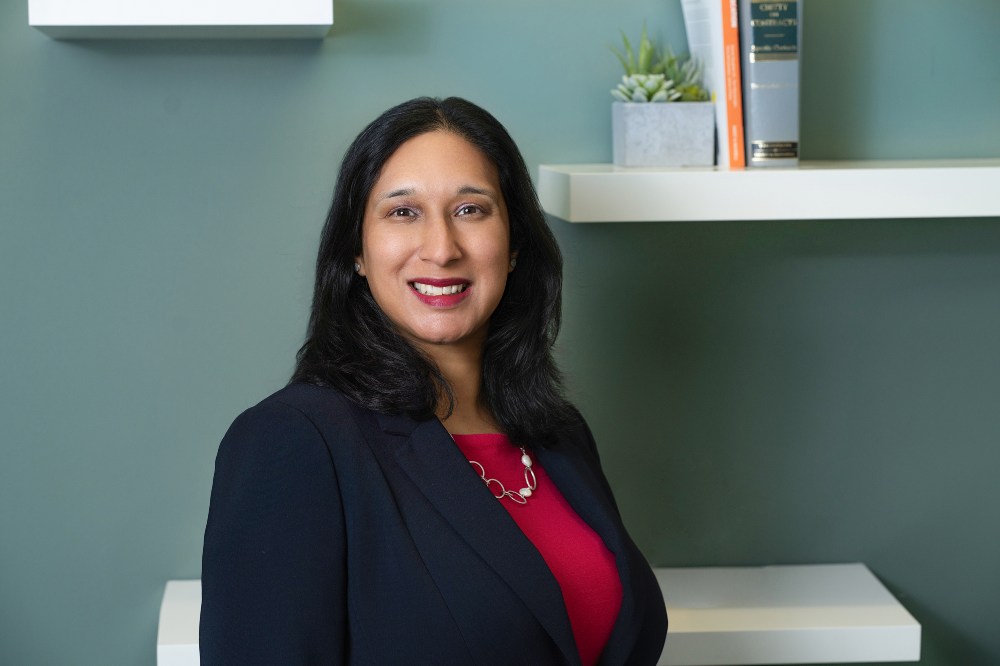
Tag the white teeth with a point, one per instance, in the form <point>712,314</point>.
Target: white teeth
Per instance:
<point>430,290</point>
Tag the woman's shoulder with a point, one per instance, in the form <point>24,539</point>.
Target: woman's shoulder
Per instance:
<point>308,400</point>
<point>299,409</point>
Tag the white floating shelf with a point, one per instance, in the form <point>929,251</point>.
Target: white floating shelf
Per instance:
<point>102,19</point>
<point>810,614</point>
<point>814,190</point>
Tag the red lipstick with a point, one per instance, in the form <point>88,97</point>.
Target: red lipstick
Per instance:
<point>440,292</point>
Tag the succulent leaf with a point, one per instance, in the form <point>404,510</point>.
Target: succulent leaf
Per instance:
<point>654,76</point>
<point>646,52</point>
<point>653,83</point>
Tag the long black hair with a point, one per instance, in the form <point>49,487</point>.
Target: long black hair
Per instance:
<point>353,346</point>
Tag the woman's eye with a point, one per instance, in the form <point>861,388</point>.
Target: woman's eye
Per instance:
<point>469,209</point>
<point>401,212</point>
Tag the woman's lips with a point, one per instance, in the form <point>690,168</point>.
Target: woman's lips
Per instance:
<point>440,292</point>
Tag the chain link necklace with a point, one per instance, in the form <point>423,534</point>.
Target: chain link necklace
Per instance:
<point>500,491</point>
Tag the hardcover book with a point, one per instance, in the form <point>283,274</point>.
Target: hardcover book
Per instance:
<point>771,36</point>
<point>713,39</point>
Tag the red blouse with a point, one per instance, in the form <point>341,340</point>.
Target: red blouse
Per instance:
<point>581,563</point>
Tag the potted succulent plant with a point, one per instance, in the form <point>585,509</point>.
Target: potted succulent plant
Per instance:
<point>661,115</point>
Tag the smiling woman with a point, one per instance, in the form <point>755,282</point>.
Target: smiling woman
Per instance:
<point>433,173</point>
<point>436,242</point>
<point>422,491</point>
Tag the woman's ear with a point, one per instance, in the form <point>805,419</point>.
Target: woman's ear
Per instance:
<point>513,261</point>
<point>359,265</point>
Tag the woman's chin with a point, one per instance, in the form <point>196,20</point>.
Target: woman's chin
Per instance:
<point>438,338</point>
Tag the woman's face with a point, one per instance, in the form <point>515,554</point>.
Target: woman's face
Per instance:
<point>436,241</point>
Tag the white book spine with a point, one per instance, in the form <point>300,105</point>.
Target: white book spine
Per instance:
<point>703,24</point>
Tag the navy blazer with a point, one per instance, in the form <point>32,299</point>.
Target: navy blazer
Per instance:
<point>337,535</point>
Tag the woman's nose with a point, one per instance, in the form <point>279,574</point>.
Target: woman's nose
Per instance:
<point>440,244</point>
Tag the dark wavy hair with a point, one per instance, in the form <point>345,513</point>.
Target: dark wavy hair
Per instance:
<point>353,346</point>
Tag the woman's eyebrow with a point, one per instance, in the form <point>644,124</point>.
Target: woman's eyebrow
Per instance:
<point>472,189</point>
<point>403,192</point>
<point>465,189</point>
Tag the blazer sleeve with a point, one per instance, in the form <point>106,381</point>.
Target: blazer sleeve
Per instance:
<point>274,562</point>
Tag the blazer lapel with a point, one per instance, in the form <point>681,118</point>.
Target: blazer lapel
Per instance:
<point>584,487</point>
<point>428,456</point>
<point>585,492</point>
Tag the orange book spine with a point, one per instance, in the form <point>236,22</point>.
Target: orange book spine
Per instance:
<point>734,83</point>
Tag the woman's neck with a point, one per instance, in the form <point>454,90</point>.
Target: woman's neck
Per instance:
<point>462,368</point>
<point>469,420</point>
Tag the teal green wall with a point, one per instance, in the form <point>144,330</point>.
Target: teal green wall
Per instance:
<point>762,392</point>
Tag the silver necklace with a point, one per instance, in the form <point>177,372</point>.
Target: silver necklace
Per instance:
<point>499,491</point>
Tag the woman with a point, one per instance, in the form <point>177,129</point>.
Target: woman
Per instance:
<point>349,521</point>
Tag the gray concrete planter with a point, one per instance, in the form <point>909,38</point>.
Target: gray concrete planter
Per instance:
<point>663,134</point>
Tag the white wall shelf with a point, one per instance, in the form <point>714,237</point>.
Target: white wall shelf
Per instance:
<point>139,19</point>
<point>808,614</point>
<point>814,190</point>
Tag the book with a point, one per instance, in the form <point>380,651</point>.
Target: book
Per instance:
<point>713,32</point>
<point>771,36</point>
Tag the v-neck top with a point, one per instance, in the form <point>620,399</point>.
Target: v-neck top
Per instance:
<point>578,558</point>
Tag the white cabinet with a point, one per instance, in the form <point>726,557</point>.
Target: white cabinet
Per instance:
<point>806,614</point>
<point>745,615</point>
<point>177,634</point>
